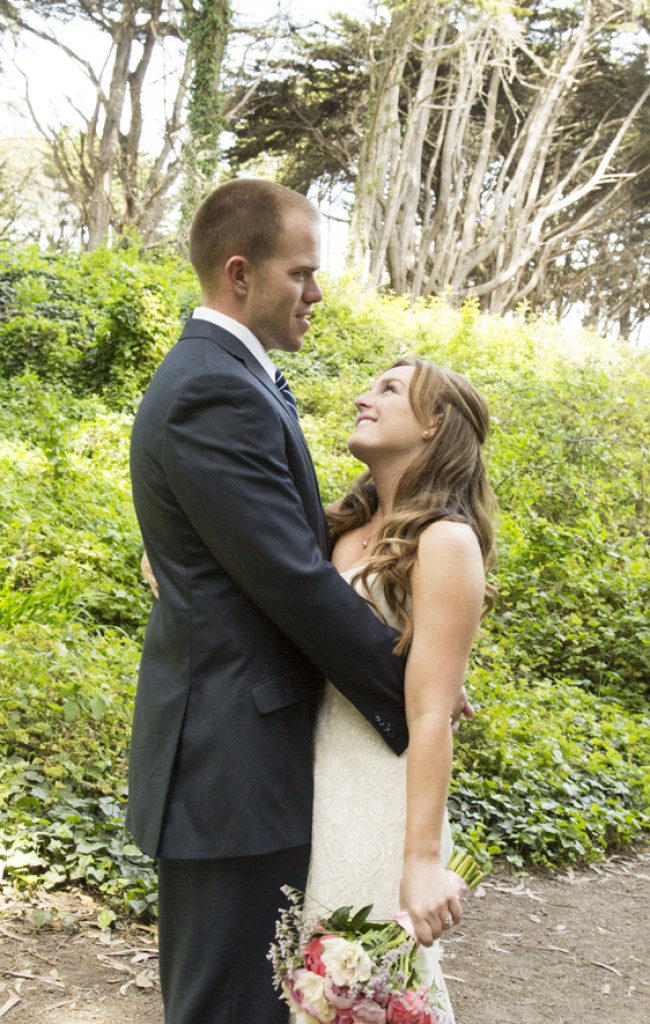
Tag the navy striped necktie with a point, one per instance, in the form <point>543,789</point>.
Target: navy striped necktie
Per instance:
<point>283,387</point>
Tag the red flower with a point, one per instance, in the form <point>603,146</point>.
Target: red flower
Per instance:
<point>410,1008</point>
<point>345,1017</point>
<point>313,952</point>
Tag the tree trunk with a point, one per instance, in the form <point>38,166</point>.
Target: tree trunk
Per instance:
<point>103,168</point>
<point>106,148</point>
<point>469,180</point>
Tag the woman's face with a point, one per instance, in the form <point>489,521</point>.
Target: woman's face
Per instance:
<point>386,425</point>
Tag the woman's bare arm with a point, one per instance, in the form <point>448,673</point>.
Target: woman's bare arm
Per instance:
<point>448,587</point>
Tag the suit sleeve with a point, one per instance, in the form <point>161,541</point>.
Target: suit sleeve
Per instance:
<point>225,457</point>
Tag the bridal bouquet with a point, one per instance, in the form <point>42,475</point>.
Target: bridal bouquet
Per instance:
<point>345,969</point>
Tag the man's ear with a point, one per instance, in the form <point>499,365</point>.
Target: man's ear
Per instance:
<point>237,272</point>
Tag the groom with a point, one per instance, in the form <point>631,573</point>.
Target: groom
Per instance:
<point>251,615</point>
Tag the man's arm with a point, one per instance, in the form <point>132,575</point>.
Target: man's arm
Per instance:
<point>226,460</point>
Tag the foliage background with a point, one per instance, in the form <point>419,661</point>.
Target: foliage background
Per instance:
<point>554,769</point>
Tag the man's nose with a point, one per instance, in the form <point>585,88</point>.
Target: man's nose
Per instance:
<point>312,292</point>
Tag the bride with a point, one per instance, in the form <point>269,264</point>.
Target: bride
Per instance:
<point>415,537</point>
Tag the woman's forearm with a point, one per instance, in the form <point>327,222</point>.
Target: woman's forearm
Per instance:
<point>428,772</point>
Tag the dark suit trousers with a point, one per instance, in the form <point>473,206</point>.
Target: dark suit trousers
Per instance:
<point>216,922</point>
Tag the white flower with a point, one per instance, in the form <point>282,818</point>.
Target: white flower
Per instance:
<point>300,1017</point>
<point>347,963</point>
<point>310,986</point>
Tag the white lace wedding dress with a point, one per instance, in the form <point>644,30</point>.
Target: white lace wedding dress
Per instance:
<point>359,818</point>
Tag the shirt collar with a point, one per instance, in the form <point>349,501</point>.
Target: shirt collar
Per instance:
<point>247,338</point>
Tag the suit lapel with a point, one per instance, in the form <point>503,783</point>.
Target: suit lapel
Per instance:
<point>196,328</point>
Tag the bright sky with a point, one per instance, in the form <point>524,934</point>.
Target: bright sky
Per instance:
<point>52,76</point>
<point>57,88</point>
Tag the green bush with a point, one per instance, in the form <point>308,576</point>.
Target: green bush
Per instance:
<point>29,341</point>
<point>66,698</point>
<point>548,773</point>
<point>555,767</point>
<point>70,532</point>
<point>140,327</point>
<point>99,322</point>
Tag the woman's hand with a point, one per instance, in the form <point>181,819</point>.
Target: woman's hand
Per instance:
<point>147,572</point>
<point>429,897</point>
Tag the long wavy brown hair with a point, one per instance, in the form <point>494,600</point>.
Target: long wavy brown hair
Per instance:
<point>447,480</point>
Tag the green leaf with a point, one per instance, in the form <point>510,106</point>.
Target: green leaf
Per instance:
<point>340,919</point>
<point>105,919</point>
<point>359,920</point>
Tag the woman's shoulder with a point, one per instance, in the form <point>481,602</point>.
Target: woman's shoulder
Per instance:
<point>448,540</point>
<point>449,562</point>
<point>445,532</point>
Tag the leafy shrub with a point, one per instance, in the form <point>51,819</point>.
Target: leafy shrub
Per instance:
<point>69,526</point>
<point>547,772</point>
<point>140,327</point>
<point>72,608</point>
<point>66,700</point>
<point>98,321</point>
<point>28,341</point>
<point>555,767</point>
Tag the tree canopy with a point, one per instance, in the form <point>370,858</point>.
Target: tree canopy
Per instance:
<point>495,150</point>
<point>487,148</point>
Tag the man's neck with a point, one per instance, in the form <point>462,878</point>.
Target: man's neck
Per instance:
<point>241,331</point>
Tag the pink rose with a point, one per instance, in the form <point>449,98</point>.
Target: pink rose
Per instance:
<point>291,993</point>
<point>369,1012</point>
<point>313,952</point>
<point>407,1008</point>
<point>338,995</point>
<point>345,1017</point>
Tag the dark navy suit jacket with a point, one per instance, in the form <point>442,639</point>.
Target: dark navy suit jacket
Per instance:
<point>251,616</point>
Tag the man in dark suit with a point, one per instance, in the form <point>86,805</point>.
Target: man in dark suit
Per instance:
<point>251,616</point>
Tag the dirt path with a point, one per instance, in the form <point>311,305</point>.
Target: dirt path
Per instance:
<point>565,949</point>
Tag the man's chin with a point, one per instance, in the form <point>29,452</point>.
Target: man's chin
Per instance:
<point>292,344</point>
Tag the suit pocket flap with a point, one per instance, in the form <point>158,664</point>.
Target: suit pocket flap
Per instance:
<point>282,690</point>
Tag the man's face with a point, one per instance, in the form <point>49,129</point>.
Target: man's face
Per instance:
<point>283,289</point>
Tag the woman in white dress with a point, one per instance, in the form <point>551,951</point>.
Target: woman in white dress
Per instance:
<point>415,536</point>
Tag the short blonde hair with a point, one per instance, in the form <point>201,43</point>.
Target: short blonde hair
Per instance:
<point>243,217</point>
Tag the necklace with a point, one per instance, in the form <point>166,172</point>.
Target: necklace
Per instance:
<point>365,541</point>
